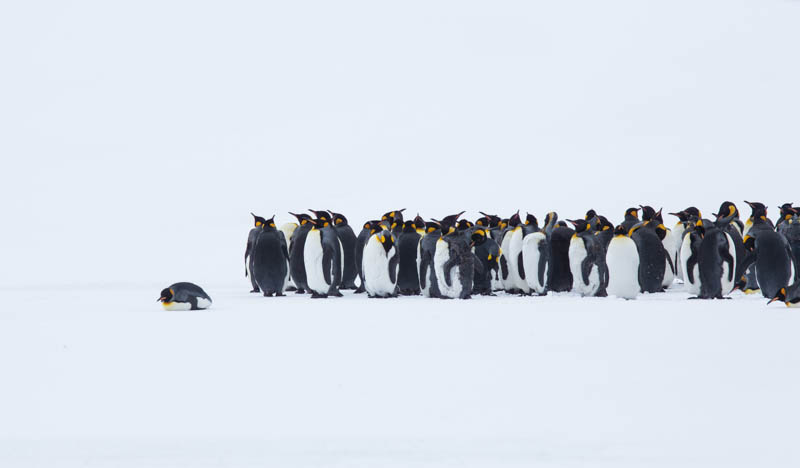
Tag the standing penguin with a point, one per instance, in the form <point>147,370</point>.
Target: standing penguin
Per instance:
<point>772,256</point>
<point>787,211</point>
<point>429,285</point>
<point>407,249</point>
<point>288,232</point>
<point>665,234</point>
<point>379,265</point>
<point>690,255</point>
<point>322,255</point>
<point>361,241</point>
<point>734,229</point>
<point>184,296</point>
<point>512,245</point>
<point>535,252</point>
<point>677,234</point>
<point>652,256</point>
<point>716,260</point>
<point>622,260</point>
<point>486,253</point>
<point>453,264</point>
<point>604,230</point>
<point>587,261</point>
<point>270,260</point>
<point>248,251</point>
<point>348,239</point>
<point>790,229</point>
<point>559,276</point>
<point>297,265</point>
<point>756,223</point>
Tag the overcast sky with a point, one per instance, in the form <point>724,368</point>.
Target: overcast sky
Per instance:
<point>137,136</point>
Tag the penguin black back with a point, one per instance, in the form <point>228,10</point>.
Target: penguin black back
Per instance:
<point>407,245</point>
<point>348,239</point>
<point>297,266</point>
<point>559,276</point>
<point>270,260</point>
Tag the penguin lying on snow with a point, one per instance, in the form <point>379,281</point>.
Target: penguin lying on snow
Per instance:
<point>184,296</point>
<point>789,295</point>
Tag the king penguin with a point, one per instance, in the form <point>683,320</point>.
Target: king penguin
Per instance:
<point>559,276</point>
<point>184,296</point>
<point>427,249</point>
<point>486,253</point>
<point>348,239</point>
<point>251,241</point>
<point>288,232</point>
<point>535,252</point>
<point>407,249</point>
<point>622,260</point>
<point>789,295</point>
<point>716,260</point>
<point>587,261</point>
<point>771,254</point>
<point>379,265</point>
<point>453,264</point>
<point>512,244</point>
<point>652,256</point>
<point>270,260</point>
<point>322,255</point>
<point>297,266</point>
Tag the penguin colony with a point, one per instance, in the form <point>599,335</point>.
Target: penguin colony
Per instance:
<point>450,257</point>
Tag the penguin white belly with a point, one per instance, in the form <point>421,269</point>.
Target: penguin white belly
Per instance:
<point>312,257</point>
<point>669,245</point>
<point>623,268</point>
<point>686,252</point>
<point>177,306</point>
<point>727,285</point>
<point>375,264</point>
<point>508,283</point>
<point>439,259</point>
<point>677,237</point>
<point>577,252</point>
<point>530,261</point>
<point>515,249</point>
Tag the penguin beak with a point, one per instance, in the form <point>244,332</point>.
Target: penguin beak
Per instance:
<point>161,299</point>
<point>772,300</point>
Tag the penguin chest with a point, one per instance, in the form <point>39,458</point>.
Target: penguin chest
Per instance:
<point>669,246</point>
<point>515,250</point>
<point>531,259</point>
<point>623,268</point>
<point>312,257</point>
<point>440,258</point>
<point>375,265</point>
<point>692,281</point>
<point>577,255</point>
<point>728,279</point>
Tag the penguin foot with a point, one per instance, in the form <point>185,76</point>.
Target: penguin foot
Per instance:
<point>280,295</point>
<point>318,296</point>
<point>300,291</point>
<point>255,290</point>
<point>290,289</point>
<point>267,294</point>
<point>336,294</point>
<point>601,294</point>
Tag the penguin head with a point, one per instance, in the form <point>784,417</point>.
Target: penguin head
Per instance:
<point>386,240</point>
<point>550,220</point>
<point>788,211</point>
<point>581,225</point>
<point>561,224</point>
<point>409,226</point>
<point>464,225</point>
<point>648,212</point>
<point>419,223</point>
<point>166,295</point>
<point>478,236</point>
<point>590,214</point>
<point>632,213</point>
<point>727,209</point>
<point>661,230</point>
<point>492,221</point>
<point>483,221</point>
<point>759,210</point>
<point>620,231</point>
<point>503,223</point>
<point>432,226</point>
<point>450,221</point>
<point>258,220</point>
<point>323,218</point>
<point>779,296</point>
<point>692,214</point>
<point>269,224</point>
<point>603,224</point>
<point>302,218</point>
<point>393,215</point>
<point>374,227</point>
<point>530,220</point>
<point>338,219</point>
<point>749,243</point>
<point>681,215</point>
<point>514,220</point>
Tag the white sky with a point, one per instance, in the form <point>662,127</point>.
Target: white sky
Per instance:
<point>137,136</point>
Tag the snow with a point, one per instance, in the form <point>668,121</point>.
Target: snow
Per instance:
<point>560,380</point>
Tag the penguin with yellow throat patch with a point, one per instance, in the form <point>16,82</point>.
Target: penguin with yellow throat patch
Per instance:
<point>184,296</point>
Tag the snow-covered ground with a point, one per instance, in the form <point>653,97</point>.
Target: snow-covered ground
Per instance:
<point>102,376</point>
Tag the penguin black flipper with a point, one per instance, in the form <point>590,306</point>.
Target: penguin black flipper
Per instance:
<point>423,270</point>
<point>503,267</point>
<point>671,264</point>
<point>336,255</point>
<point>478,264</point>
<point>447,268</point>
<point>690,263</point>
<point>327,260</point>
<point>393,267</point>
<point>520,266</point>
<point>586,269</point>
<point>543,255</point>
<point>727,258</point>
